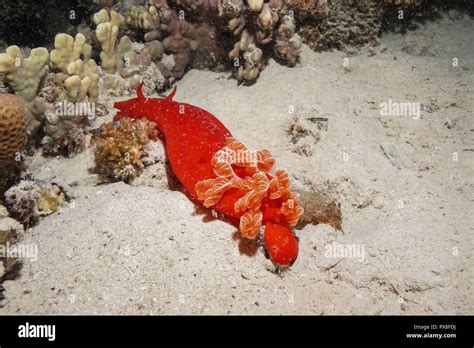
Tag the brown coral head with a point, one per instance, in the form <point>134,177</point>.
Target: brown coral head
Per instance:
<point>12,128</point>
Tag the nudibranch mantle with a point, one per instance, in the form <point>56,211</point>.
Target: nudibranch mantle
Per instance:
<point>222,173</point>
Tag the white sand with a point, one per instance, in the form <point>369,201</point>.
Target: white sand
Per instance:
<point>143,249</point>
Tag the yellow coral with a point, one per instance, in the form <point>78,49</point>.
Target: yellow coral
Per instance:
<point>107,31</point>
<point>24,75</point>
<point>83,82</point>
<point>50,199</point>
<point>68,49</point>
<point>83,74</point>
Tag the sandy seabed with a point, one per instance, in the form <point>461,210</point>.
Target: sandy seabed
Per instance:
<point>405,185</point>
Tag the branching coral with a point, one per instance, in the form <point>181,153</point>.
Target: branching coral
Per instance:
<point>258,181</point>
<point>120,147</point>
<point>196,34</point>
<point>140,68</point>
<point>68,49</point>
<point>260,24</point>
<point>188,43</point>
<point>287,43</point>
<point>83,83</point>
<point>79,72</point>
<point>23,76</point>
<point>113,50</point>
<point>79,79</point>
<point>150,22</point>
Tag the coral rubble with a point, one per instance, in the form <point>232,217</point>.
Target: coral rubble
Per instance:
<point>10,232</point>
<point>29,200</point>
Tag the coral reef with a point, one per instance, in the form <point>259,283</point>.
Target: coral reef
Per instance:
<point>150,74</point>
<point>107,31</point>
<point>74,90</point>
<point>198,34</point>
<point>120,148</point>
<point>309,9</point>
<point>29,200</point>
<point>23,76</point>
<point>257,26</point>
<point>21,201</point>
<point>138,67</point>
<point>186,43</point>
<point>12,128</point>
<point>68,49</point>
<point>339,24</point>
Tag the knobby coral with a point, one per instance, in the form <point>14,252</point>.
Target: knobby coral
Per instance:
<point>107,32</point>
<point>203,34</point>
<point>72,57</point>
<point>24,75</point>
<point>120,147</point>
<point>258,24</point>
<point>258,180</point>
<point>186,43</point>
<point>75,86</point>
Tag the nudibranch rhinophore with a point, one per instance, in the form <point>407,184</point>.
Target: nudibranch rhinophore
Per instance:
<point>223,174</point>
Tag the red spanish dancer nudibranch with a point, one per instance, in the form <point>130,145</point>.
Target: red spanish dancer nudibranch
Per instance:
<point>220,172</point>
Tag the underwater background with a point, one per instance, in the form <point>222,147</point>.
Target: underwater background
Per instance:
<point>365,105</point>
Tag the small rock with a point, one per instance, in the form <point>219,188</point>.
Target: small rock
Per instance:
<point>9,228</point>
